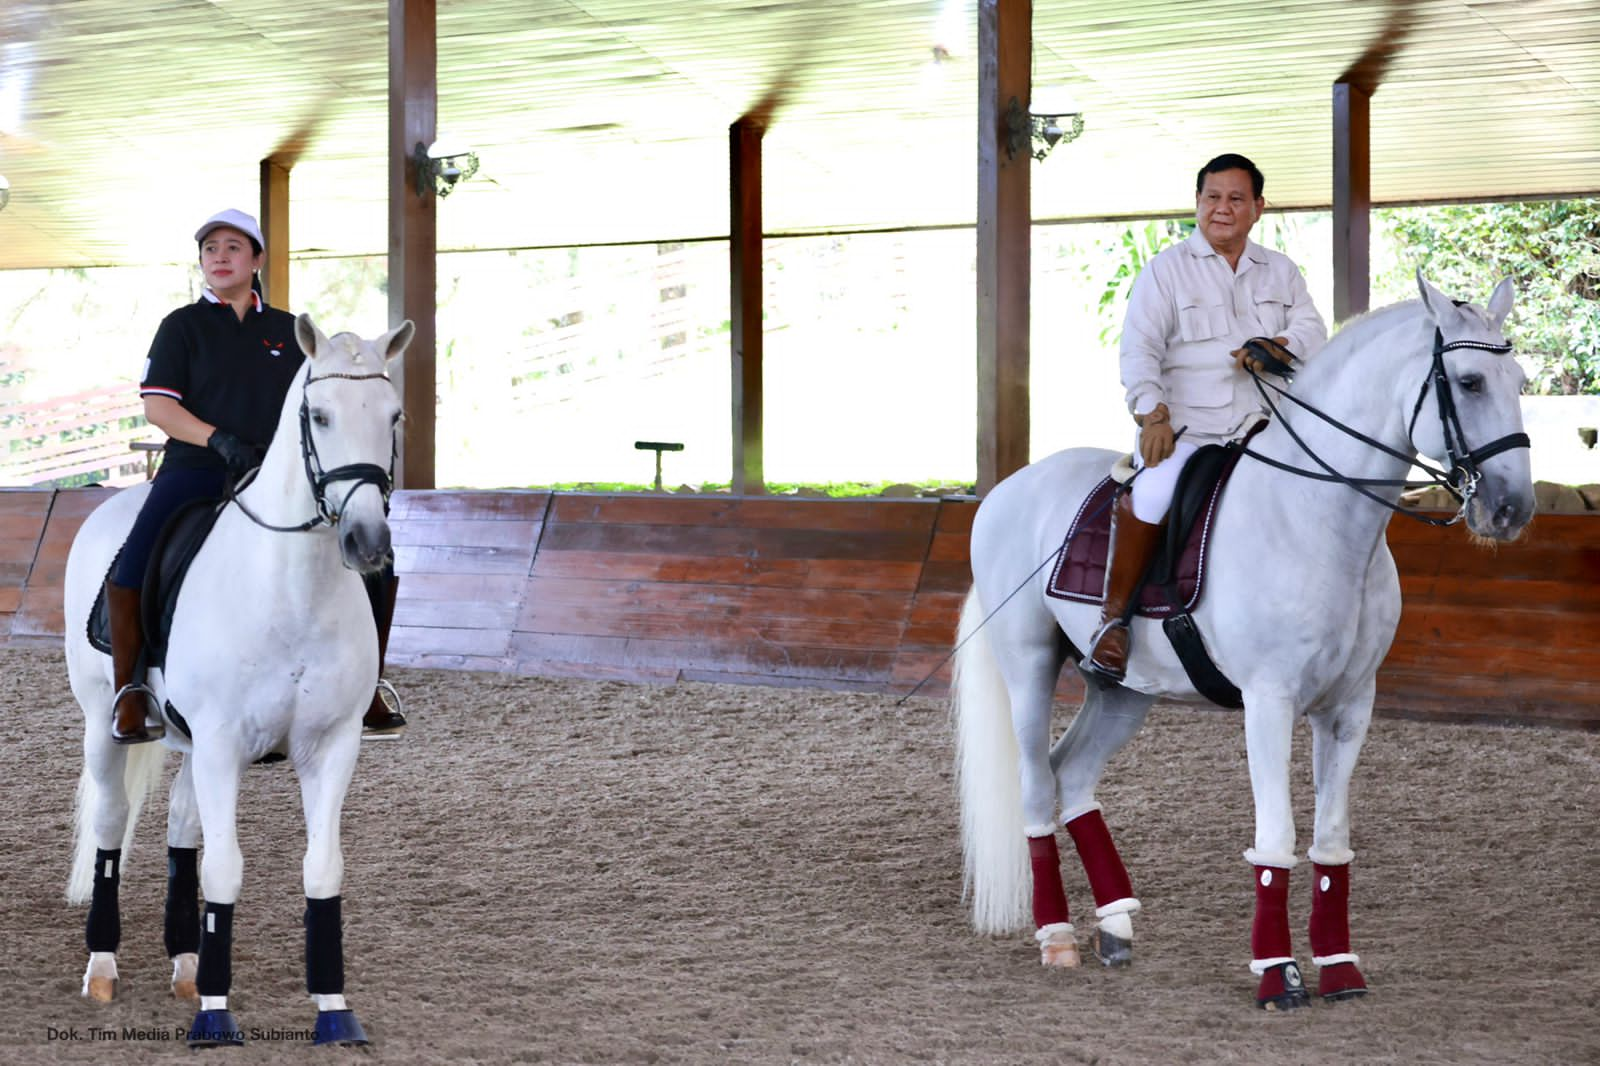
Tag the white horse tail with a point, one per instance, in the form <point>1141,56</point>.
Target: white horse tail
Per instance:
<point>998,879</point>
<point>141,772</point>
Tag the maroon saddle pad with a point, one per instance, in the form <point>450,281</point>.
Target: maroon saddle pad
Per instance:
<point>1080,569</point>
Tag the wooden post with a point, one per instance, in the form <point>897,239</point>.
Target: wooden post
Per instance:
<point>275,230</point>
<point>1005,56</point>
<point>744,251</point>
<point>1352,199</point>
<point>413,238</point>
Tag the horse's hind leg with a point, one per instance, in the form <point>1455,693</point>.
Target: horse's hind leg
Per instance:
<point>1030,653</point>
<point>182,924</point>
<point>1108,719</point>
<point>105,791</point>
<point>1336,738</point>
<point>323,783</point>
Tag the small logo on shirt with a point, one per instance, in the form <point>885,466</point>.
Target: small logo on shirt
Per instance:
<point>272,349</point>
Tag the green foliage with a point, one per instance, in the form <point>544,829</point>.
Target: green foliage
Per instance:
<point>1550,249</point>
<point>1113,271</point>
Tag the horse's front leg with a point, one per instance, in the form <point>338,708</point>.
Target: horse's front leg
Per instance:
<point>1269,734</point>
<point>216,769</point>
<point>182,924</point>
<point>1337,734</point>
<point>325,770</point>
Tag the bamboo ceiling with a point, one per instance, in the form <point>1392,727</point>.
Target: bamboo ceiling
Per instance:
<point>121,125</point>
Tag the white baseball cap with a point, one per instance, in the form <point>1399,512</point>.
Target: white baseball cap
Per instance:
<point>235,219</point>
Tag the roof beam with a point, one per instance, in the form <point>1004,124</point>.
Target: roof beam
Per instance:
<point>1005,57</point>
<point>413,235</point>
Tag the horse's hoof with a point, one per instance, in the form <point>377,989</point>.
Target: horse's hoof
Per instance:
<point>1110,949</point>
<point>1282,988</point>
<point>215,1028</point>
<point>340,1027</point>
<point>100,979</point>
<point>1340,981</point>
<point>1060,948</point>
<point>184,968</point>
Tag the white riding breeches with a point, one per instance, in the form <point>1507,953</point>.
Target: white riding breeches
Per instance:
<point>1153,487</point>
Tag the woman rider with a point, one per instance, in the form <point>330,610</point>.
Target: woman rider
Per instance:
<point>214,382</point>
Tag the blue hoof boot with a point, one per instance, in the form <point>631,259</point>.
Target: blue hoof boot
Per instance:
<point>215,1028</point>
<point>340,1027</point>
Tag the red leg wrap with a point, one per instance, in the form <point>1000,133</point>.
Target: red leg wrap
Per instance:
<point>1269,933</point>
<point>1108,878</point>
<point>1049,898</point>
<point>1330,910</point>
<point>1330,932</point>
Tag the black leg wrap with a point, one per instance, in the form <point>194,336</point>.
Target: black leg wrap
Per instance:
<point>103,931</point>
<point>216,951</point>
<point>324,947</point>
<point>183,901</point>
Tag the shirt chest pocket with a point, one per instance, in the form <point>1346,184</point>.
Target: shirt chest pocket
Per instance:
<point>1272,311</point>
<point>1200,318</point>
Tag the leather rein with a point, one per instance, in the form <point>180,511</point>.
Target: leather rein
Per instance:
<point>320,479</point>
<point>1461,481</point>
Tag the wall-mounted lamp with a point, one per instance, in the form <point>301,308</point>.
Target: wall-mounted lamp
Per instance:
<point>441,170</point>
<point>1037,132</point>
<point>5,192</point>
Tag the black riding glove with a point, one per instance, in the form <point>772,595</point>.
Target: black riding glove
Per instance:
<point>240,456</point>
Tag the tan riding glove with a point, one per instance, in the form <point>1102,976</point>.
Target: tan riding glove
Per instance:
<point>1156,438</point>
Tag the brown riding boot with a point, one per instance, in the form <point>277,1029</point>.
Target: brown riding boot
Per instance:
<point>1133,543</point>
<point>131,719</point>
<point>383,720</point>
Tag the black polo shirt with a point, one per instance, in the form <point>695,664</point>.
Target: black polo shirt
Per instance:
<point>229,373</point>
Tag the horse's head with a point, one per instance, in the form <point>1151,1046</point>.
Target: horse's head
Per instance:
<point>1468,414</point>
<point>348,420</point>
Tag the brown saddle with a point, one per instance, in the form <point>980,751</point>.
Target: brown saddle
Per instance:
<point>1177,577</point>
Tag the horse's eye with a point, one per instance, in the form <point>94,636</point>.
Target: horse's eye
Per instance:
<point>1472,382</point>
<point>319,417</point>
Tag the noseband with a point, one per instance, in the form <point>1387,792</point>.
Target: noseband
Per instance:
<point>320,479</point>
<point>1462,479</point>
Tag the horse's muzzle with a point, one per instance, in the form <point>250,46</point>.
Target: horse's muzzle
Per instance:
<point>364,545</point>
<point>1500,516</point>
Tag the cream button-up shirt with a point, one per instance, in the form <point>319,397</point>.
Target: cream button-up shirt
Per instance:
<point>1188,311</point>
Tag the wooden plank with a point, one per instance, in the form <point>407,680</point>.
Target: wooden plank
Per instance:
<point>275,230</point>
<point>1352,199</point>
<point>731,511</point>
<point>483,506</point>
<point>752,543</point>
<point>546,597</point>
<point>709,569</point>
<point>467,533</point>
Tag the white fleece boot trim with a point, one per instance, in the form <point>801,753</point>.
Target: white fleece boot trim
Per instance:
<point>1282,860</point>
<point>1261,966</point>
<point>1054,931</point>
<point>1330,856</point>
<point>327,1002</point>
<point>1129,905</point>
<point>1042,829</point>
<point>1079,811</point>
<point>213,1002</point>
<point>1334,960</point>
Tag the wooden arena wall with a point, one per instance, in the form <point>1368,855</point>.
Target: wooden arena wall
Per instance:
<point>847,594</point>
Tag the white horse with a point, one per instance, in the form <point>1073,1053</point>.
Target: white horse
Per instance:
<point>273,649</point>
<point>1301,603</point>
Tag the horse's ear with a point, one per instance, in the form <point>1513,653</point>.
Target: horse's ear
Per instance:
<point>308,336</point>
<point>395,341</point>
<point>1500,301</point>
<point>1440,307</point>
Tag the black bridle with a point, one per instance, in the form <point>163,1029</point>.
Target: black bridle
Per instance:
<point>319,479</point>
<point>1461,481</point>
